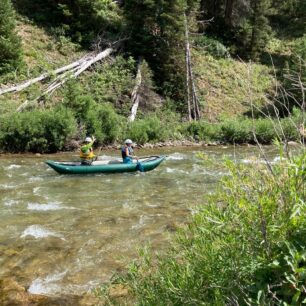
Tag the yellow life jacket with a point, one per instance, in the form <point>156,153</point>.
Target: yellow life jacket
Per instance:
<point>89,154</point>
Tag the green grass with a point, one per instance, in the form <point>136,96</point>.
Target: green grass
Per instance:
<point>228,86</point>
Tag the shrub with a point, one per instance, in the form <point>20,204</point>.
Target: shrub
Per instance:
<point>213,47</point>
<point>289,129</point>
<point>265,131</point>
<point>202,130</point>
<point>103,122</point>
<point>36,131</point>
<point>246,246</point>
<point>10,43</point>
<point>145,130</point>
<point>236,131</point>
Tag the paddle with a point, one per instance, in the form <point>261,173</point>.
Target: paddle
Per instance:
<point>145,157</point>
<point>139,165</point>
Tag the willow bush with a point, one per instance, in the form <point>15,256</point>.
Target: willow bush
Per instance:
<point>36,131</point>
<point>246,246</point>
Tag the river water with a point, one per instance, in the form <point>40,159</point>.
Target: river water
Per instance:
<point>64,234</point>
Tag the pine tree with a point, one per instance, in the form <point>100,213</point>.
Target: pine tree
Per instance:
<point>156,30</point>
<point>10,44</point>
<point>260,27</point>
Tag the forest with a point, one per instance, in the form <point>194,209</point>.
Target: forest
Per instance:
<point>193,66</point>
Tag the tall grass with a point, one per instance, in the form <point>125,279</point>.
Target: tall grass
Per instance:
<point>246,246</point>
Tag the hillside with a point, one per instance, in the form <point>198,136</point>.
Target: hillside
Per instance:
<point>182,77</point>
<point>223,84</point>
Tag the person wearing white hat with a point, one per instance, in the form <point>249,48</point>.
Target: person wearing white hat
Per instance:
<point>86,153</point>
<point>127,152</point>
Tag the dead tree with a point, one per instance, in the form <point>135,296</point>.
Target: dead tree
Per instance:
<point>135,92</point>
<point>62,74</point>
<point>191,94</point>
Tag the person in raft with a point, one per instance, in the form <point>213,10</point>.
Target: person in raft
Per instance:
<point>86,153</point>
<point>127,152</point>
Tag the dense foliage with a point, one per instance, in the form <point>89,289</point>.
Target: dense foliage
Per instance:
<point>82,20</point>
<point>245,246</point>
<point>37,131</point>
<point>10,44</point>
<point>156,30</point>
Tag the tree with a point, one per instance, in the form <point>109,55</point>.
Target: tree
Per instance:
<point>156,30</point>
<point>10,44</point>
<point>82,20</point>
<point>260,27</point>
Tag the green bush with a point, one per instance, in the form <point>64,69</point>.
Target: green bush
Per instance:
<point>236,131</point>
<point>202,130</point>
<point>265,131</point>
<point>103,122</point>
<point>212,46</point>
<point>150,129</point>
<point>289,129</point>
<point>36,131</point>
<point>246,246</point>
<point>10,43</point>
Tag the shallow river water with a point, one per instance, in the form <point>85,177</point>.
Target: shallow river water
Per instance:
<point>64,234</point>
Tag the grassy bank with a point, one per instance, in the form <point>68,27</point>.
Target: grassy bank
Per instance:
<point>245,246</point>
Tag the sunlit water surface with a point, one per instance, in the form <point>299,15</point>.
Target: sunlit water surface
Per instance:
<point>64,234</point>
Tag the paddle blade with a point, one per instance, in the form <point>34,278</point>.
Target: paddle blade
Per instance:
<point>140,167</point>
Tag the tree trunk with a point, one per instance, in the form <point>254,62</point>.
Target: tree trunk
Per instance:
<point>192,100</point>
<point>135,92</point>
<point>74,72</point>
<point>44,76</point>
<point>229,13</point>
<point>187,68</point>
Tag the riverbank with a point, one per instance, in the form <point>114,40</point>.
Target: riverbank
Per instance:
<point>245,243</point>
<point>43,136</point>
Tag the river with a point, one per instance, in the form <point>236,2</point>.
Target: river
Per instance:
<point>64,234</point>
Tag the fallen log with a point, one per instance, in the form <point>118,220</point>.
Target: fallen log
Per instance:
<point>74,72</point>
<point>44,76</point>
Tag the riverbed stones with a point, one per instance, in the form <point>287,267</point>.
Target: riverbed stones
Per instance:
<point>12,293</point>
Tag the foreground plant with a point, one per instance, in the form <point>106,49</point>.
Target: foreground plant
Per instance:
<point>246,246</point>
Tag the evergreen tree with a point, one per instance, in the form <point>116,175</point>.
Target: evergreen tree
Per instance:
<point>10,44</point>
<point>156,30</point>
<point>260,27</point>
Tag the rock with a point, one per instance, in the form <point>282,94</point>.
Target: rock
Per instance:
<point>118,291</point>
<point>293,143</point>
<point>89,300</point>
<point>197,138</point>
<point>72,145</point>
<point>12,293</point>
<point>37,154</point>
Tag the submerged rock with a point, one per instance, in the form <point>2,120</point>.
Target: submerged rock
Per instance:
<point>14,294</point>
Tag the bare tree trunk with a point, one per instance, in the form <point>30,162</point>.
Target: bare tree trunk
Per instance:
<point>44,76</point>
<point>75,70</point>
<point>229,12</point>
<point>193,103</point>
<point>187,68</point>
<point>135,93</point>
<point>81,69</point>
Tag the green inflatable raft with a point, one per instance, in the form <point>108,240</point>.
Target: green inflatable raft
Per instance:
<point>146,164</point>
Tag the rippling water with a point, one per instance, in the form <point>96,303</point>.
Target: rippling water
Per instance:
<point>66,234</point>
